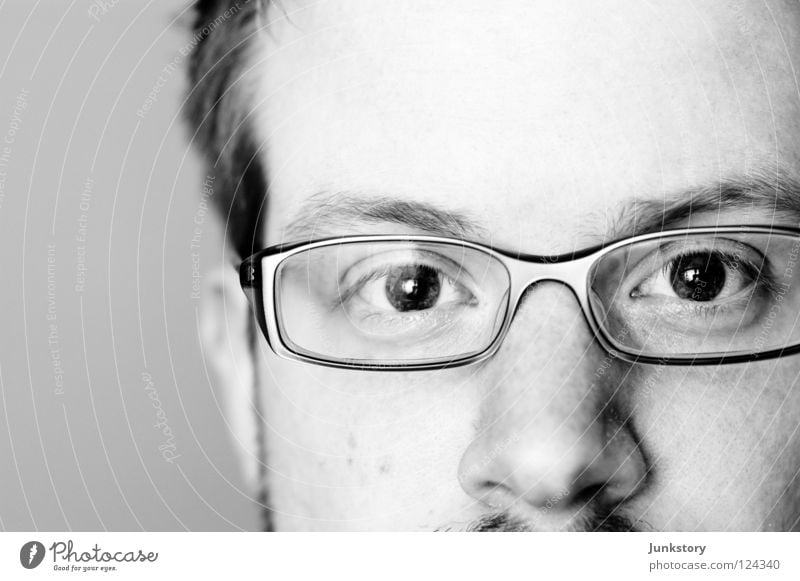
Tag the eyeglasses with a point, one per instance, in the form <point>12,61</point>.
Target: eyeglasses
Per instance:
<point>691,296</point>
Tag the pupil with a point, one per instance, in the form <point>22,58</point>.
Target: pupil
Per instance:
<point>413,288</point>
<point>698,277</point>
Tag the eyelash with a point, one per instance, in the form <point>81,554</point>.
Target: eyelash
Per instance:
<point>727,259</point>
<point>708,310</point>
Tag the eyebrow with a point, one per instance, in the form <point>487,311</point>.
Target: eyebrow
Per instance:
<point>325,214</point>
<point>778,195</point>
<point>331,214</point>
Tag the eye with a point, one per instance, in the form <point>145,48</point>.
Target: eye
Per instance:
<point>411,287</point>
<point>700,276</point>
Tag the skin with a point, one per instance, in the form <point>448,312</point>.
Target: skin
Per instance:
<point>540,123</point>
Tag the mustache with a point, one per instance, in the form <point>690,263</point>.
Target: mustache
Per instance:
<point>594,522</point>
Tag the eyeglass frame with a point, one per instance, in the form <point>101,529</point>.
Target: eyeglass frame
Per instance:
<point>570,269</point>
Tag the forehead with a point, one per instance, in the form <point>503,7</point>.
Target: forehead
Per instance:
<point>552,109</point>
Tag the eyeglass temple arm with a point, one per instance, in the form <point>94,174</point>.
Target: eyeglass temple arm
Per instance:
<point>249,275</point>
<point>250,279</point>
<point>251,282</point>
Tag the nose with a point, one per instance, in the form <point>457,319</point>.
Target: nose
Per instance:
<point>552,435</point>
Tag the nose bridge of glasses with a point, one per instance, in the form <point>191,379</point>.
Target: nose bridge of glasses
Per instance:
<point>572,274</point>
<point>526,275</point>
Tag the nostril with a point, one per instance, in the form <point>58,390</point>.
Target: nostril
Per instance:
<point>495,494</point>
<point>588,495</point>
<point>492,486</point>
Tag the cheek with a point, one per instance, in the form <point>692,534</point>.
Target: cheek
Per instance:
<point>724,443</point>
<point>362,445</point>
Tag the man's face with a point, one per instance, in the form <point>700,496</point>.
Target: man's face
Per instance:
<point>544,124</point>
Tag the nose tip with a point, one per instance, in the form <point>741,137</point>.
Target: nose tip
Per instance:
<point>542,477</point>
<point>557,475</point>
<point>545,480</point>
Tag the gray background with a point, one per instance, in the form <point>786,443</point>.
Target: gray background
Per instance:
<point>78,444</point>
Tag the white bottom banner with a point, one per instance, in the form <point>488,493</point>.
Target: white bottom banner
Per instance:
<point>117,556</point>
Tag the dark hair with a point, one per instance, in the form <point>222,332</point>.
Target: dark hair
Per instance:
<point>217,110</point>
